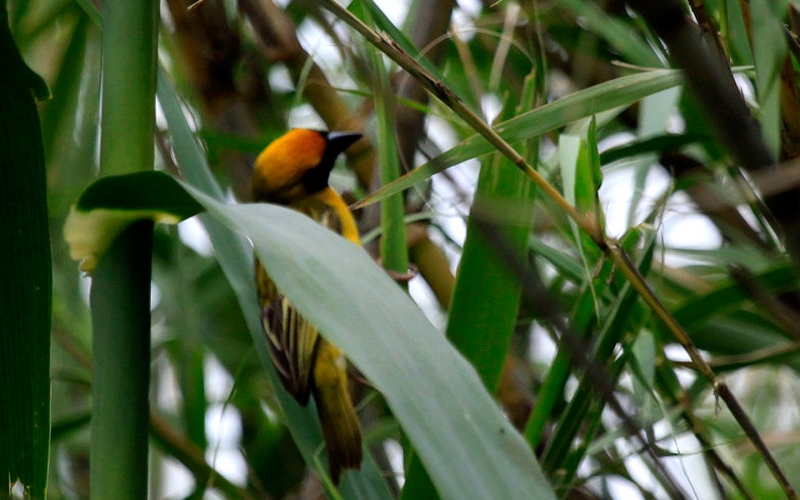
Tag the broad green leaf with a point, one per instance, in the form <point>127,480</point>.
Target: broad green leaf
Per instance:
<point>89,230</point>
<point>236,260</point>
<point>439,401</point>
<point>435,394</point>
<point>486,297</point>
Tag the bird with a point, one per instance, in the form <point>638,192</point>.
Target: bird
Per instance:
<point>293,171</point>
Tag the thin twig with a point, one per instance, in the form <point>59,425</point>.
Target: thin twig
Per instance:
<point>621,260</point>
<point>697,427</point>
<point>446,95</point>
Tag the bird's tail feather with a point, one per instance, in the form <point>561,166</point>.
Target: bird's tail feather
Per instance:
<point>340,427</point>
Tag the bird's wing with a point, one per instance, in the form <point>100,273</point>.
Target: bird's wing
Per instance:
<point>292,339</point>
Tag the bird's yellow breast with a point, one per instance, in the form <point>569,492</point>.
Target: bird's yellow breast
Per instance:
<point>349,228</point>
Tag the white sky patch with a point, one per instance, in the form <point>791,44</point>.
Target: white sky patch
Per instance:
<point>463,17</point>
<point>619,488</point>
<point>223,427</point>
<point>491,107</point>
<point>85,286</point>
<point>394,452</point>
<point>193,234</point>
<point>279,79</point>
<point>168,395</point>
<point>438,130</point>
<point>424,297</point>
<point>542,349</point>
<point>746,88</point>
<point>317,43</point>
<point>224,431</point>
<point>448,201</point>
<point>691,231</point>
<point>178,481</point>
<point>304,116</point>
<point>161,120</point>
<point>218,382</point>
<point>395,10</point>
<point>615,195</point>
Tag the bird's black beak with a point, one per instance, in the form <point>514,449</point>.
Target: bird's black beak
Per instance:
<point>339,141</point>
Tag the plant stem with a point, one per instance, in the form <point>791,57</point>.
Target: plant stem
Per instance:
<point>120,296</point>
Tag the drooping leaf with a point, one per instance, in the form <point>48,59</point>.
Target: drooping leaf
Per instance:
<point>435,394</point>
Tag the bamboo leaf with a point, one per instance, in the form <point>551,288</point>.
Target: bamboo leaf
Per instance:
<point>608,95</point>
<point>486,297</point>
<point>26,268</point>
<point>236,260</point>
<point>439,400</point>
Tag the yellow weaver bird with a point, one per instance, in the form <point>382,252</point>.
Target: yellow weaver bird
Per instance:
<point>293,171</point>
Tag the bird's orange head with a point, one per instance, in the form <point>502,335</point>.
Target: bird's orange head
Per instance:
<point>297,164</point>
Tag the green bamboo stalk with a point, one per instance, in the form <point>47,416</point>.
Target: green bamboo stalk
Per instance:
<point>120,296</point>
<point>120,300</point>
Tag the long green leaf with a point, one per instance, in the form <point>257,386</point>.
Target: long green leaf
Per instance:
<point>608,95</point>
<point>485,304</point>
<point>393,245</point>
<point>25,303</point>
<point>486,296</point>
<point>439,400</point>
